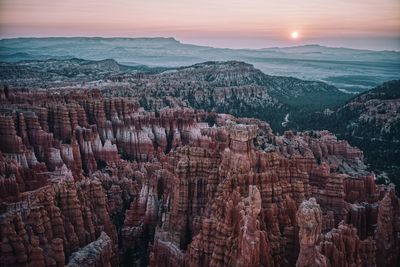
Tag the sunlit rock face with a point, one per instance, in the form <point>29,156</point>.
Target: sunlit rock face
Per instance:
<point>92,181</point>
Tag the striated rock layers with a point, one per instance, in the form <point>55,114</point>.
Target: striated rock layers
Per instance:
<point>339,247</point>
<point>93,181</point>
<point>309,219</point>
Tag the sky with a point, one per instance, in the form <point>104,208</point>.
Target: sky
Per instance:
<point>370,24</point>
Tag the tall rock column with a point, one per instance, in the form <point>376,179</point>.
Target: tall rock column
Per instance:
<point>309,220</point>
<point>253,247</point>
<point>388,232</point>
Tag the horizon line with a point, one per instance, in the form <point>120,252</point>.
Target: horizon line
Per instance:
<point>209,46</point>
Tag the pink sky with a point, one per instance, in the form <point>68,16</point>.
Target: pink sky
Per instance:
<point>229,23</point>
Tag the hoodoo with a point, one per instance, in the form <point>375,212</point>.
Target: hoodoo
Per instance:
<point>126,186</point>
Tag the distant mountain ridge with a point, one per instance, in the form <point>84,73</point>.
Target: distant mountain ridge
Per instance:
<point>174,40</point>
<point>349,69</point>
<point>332,48</point>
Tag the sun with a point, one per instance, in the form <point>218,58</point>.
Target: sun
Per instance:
<point>295,35</point>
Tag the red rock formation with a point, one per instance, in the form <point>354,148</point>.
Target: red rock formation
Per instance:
<point>232,237</point>
<point>361,188</point>
<point>309,218</point>
<point>387,233</point>
<point>56,254</point>
<point>253,247</point>
<point>343,247</point>
<point>363,216</point>
<point>36,256</point>
<point>10,141</point>
<point>59,122</point>
<point>82,176</point>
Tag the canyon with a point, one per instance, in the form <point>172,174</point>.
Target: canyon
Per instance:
<point>233,87</point>
<point>369,121</point>
<point>91,177</point>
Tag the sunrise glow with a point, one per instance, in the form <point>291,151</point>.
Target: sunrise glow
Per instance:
<point>224,23</point>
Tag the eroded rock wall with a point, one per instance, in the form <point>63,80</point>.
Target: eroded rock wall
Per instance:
<point>93,181</point>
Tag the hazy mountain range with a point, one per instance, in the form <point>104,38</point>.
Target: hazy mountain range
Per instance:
<point>348,69</point>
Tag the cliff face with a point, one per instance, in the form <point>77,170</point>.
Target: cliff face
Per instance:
<point>388,241</point>
<point>93,181</point>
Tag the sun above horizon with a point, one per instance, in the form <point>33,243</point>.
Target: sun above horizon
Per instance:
<point>295,35</point>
